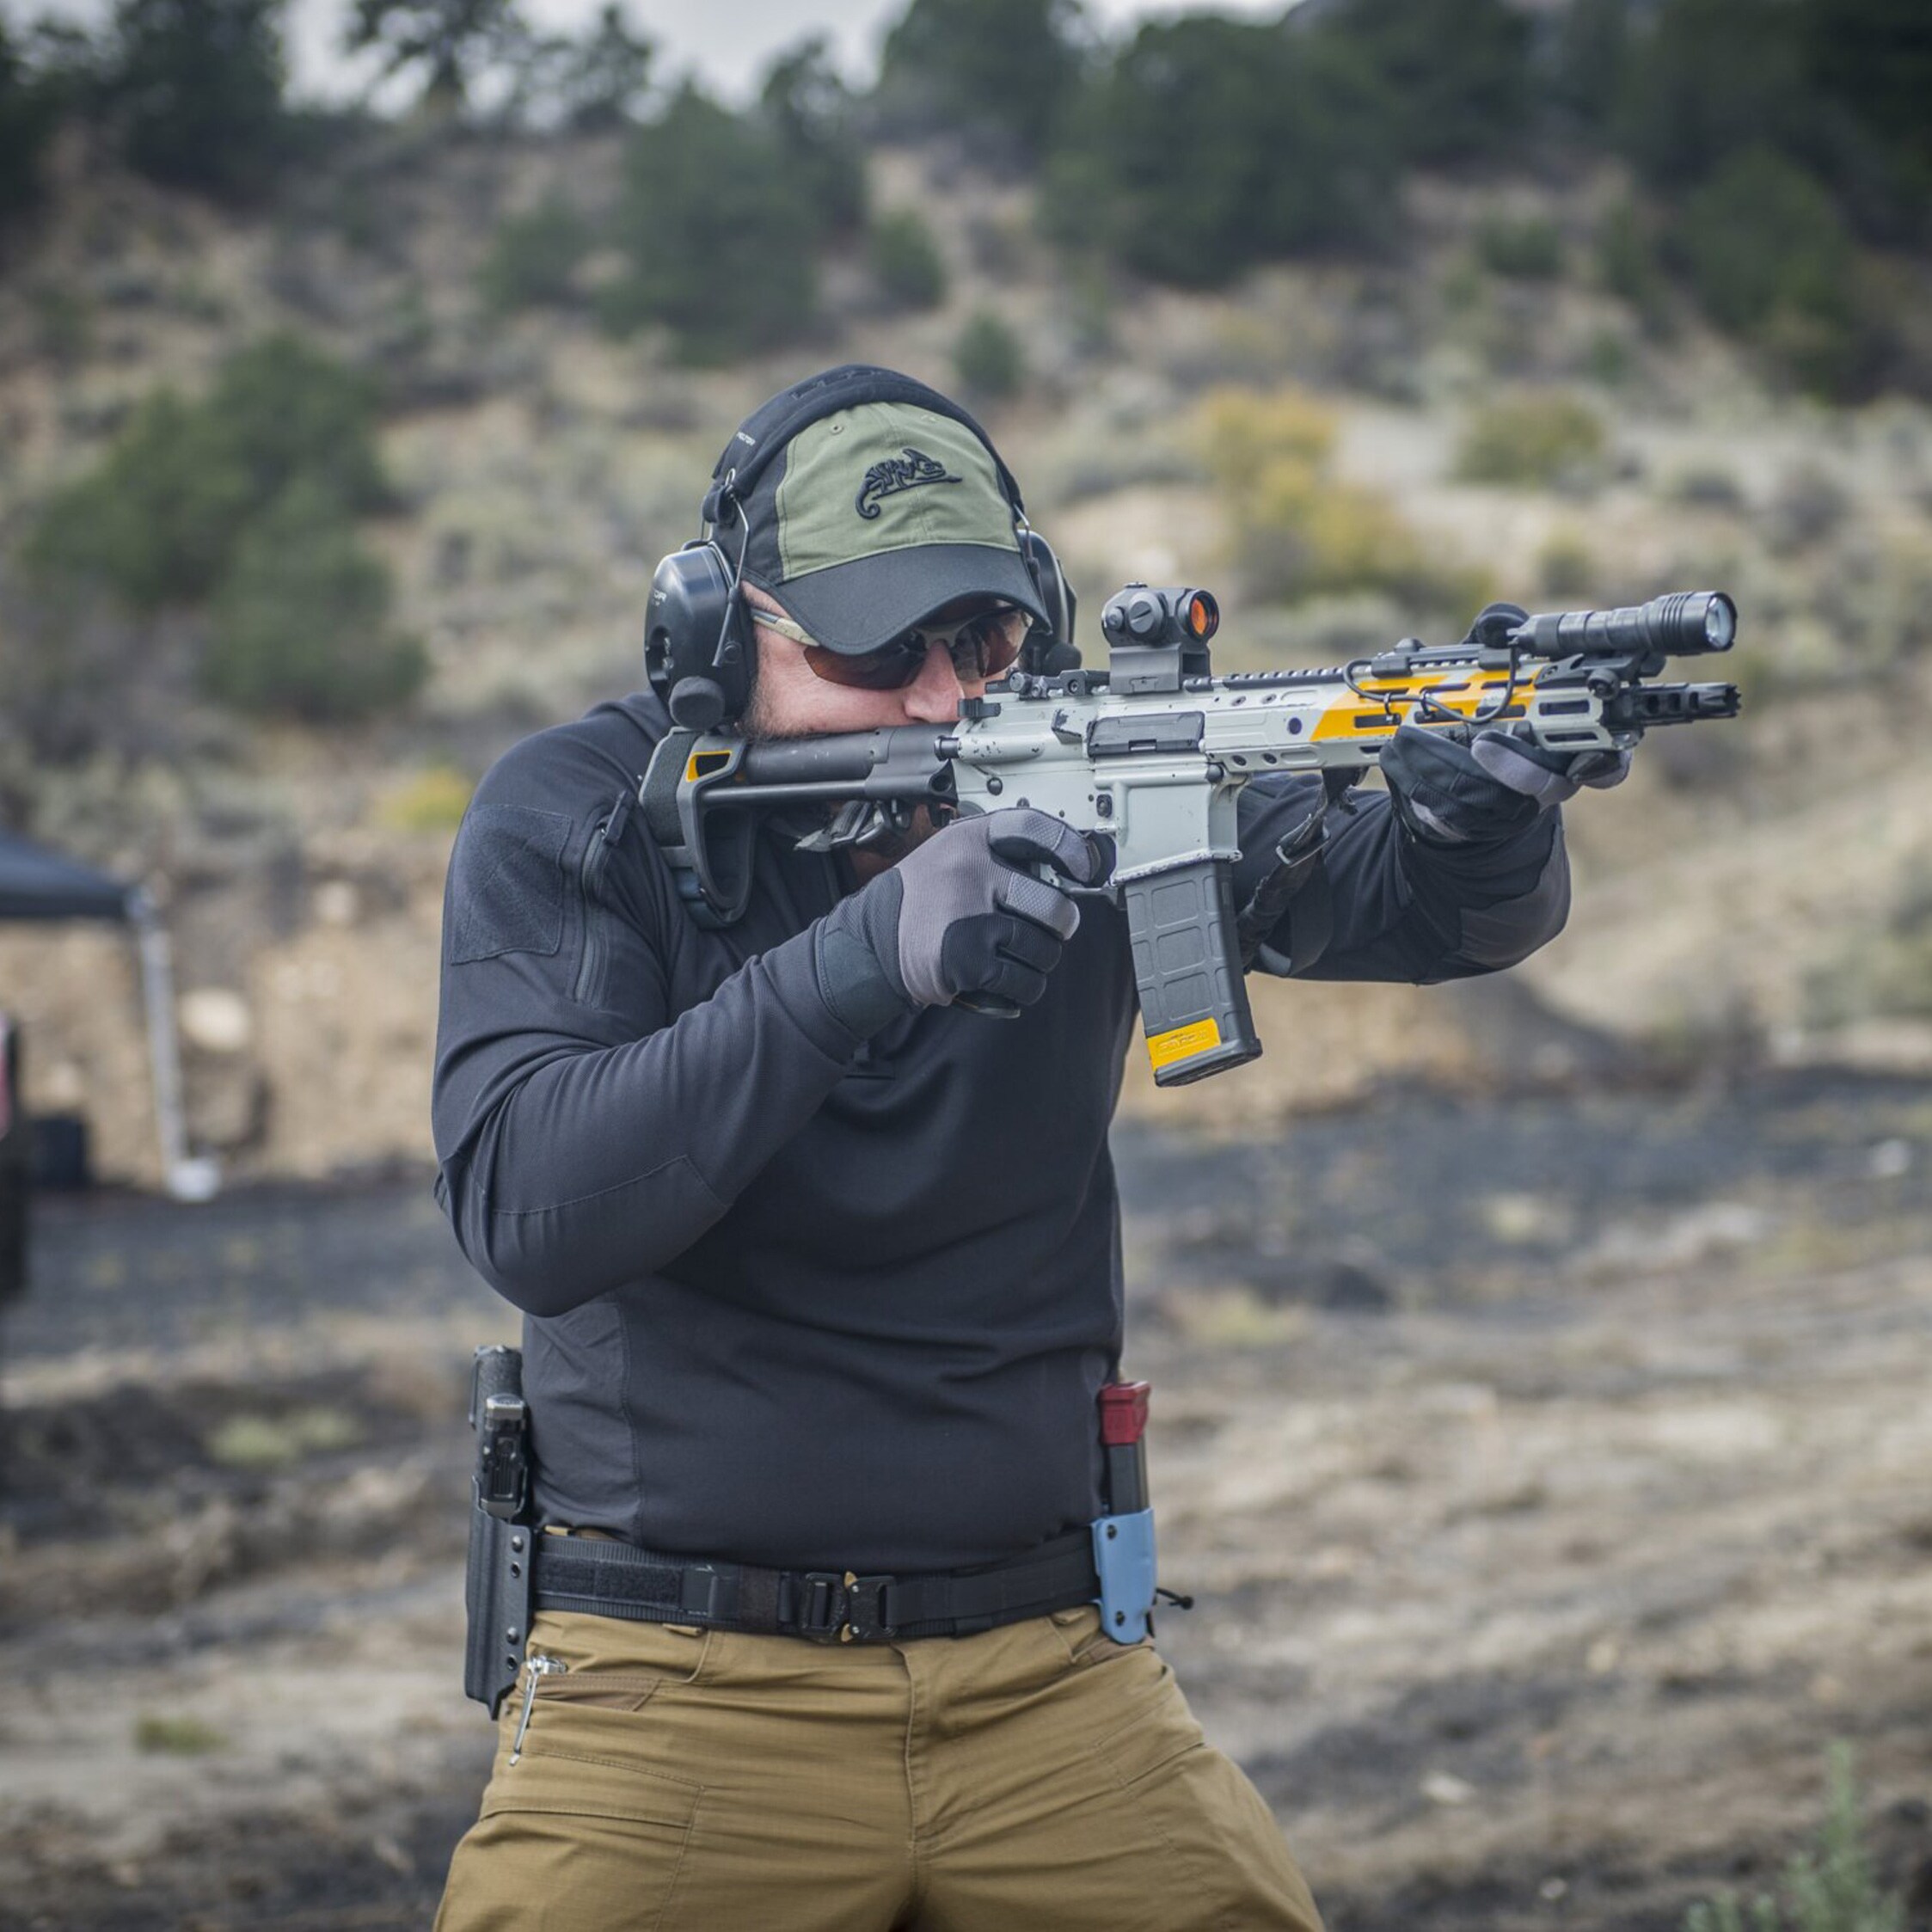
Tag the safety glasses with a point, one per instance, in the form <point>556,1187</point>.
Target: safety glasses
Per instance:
<point>983,646</point>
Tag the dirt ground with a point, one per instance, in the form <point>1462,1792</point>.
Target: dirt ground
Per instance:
<point>1552,1473</point>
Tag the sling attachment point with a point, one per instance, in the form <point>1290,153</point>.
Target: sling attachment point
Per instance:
<point>1297,883</point>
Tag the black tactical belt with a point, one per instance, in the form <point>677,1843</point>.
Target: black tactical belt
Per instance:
<point>827,1606</point>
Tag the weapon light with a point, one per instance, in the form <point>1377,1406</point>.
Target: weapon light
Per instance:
<point>1682,625</point>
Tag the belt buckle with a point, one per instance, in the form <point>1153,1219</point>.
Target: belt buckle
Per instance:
<point>842,1609</point>
<point>865,1610</point>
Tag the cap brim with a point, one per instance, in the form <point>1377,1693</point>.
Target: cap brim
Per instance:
<point>856,607</point>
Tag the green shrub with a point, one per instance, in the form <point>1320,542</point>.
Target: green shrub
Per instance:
<point>1243,430</point>
<point>1003,68</point>
<point>1529,249</point>
<point>446,44</point>
<point>1808,505</point>
<point>1875,603</point>
<point>1213,144</point>
<point>1608,358</point>
<point>1764,248</point>
<point>1566,569</point>
<point>287,410</point>
<point>1833,1889</point>
<point>1302,536</point>
<point>1533,441</point>
<point>1592,44</point>
<point>63,324</point>
<point>719,235</point>
<point>1707,486</point>
<point>989,358</point>
<point>1889,974</point>
<point>603,79</point>
<point>276,1442</point>
<point>196,89</point>
<point>301,620</point>
<point>1760,234</point>
<point>533,258</point>
<point>1706,79</point>
<point>1864,55</point>
<point>1628,265</point>
<point>905,260</point>
<point>1298,532</point>
<point>177,1737</point>
<point>26,122</point>
<point>157,519</point>
<point>433,800</point>
<point>1836,87</point>
<point>1458,68</point>
<point>809,112</point>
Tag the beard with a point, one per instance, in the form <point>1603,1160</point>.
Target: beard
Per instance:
<point>888,846</point>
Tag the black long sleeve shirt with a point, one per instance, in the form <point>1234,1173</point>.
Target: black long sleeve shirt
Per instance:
<point>792,1296</point>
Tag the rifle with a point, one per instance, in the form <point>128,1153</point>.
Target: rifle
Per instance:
<point>1153,753</point>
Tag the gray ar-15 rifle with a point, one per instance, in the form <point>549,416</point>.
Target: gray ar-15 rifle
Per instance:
<point>1153,753</point>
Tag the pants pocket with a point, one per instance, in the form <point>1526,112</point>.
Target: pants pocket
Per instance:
<point>570,1841</point>
<point>610,1671</point>
<point>1156,1725</point>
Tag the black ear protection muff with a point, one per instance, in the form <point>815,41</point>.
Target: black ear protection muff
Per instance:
<point>697,646</point>
<point>697,633</point>
<point>1048,652</point>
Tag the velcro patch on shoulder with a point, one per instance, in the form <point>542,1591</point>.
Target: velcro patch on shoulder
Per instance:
<point>507,885</point>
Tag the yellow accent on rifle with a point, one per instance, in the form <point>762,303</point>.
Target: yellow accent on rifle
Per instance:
<point>1182,1043</point>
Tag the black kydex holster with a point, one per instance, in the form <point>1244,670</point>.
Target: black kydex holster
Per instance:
<point>496,1587</point>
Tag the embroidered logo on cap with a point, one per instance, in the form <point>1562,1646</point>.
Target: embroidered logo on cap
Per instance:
<point>896,474</point>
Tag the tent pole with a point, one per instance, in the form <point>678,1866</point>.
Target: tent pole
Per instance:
<point>188,1179</point>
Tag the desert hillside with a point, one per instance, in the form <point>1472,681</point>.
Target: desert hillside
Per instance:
<point>1485,409</point>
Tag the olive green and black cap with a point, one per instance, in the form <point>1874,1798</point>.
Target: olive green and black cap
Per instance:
<point>864,501</point>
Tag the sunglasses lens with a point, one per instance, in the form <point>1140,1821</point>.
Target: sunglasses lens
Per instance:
<point>888,670</point>
<point>1000,636</point>
<point>983,647</point>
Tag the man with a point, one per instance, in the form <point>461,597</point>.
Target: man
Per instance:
<point>821,1267</point>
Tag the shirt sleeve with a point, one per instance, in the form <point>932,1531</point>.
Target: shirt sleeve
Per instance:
<point>1397,908</point>
<point>585,1134</point>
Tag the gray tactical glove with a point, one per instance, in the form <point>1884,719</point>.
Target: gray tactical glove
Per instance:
<point>1448,793</point>
<point>958,915</point>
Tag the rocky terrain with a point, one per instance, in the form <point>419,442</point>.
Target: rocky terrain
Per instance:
<point>1552,1474</point>
<point>1761,886</point>
<point>1541,1363</point>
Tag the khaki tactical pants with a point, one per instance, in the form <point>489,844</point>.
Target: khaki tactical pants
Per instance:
<point>1033,1776</point>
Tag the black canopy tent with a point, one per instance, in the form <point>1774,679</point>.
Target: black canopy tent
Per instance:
<point>39,885</point>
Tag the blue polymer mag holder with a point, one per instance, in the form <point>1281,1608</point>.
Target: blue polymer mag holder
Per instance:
<point>1124,1539</point>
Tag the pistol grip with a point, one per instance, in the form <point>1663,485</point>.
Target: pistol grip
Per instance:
<point>1193,999</point>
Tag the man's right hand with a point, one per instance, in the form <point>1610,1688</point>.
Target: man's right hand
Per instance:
<point>960,914</point>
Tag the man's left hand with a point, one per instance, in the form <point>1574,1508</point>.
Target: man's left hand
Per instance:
<point>1449,793</point>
